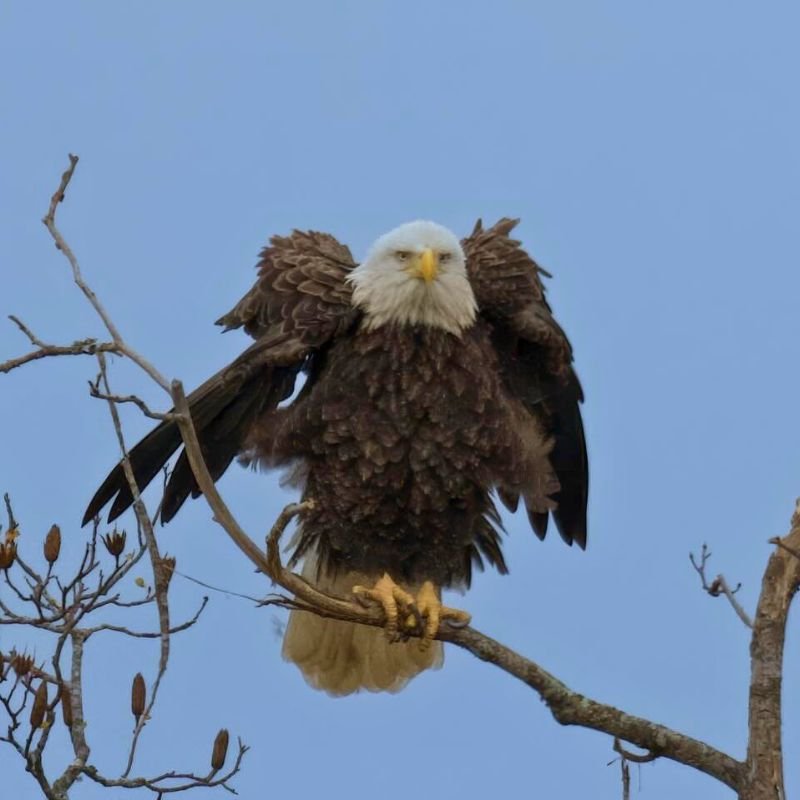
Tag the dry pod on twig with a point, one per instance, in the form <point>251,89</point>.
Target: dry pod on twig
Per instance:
<point>39,707</point>
<point>52,544</point>
<point>2,666</point>
<point>220,751</point>
<point>115,542</point>
<point>138,696</point>
<point>8,552</point>
<point>66,705</point>
<point>22,664</point>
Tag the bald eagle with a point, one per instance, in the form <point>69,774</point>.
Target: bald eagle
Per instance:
<point>436,379</point>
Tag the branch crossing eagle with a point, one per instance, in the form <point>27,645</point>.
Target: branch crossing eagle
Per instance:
<point>436,379</point>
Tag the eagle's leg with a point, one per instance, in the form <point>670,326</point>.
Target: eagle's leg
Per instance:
<point>433,613</point>
<point>392,598</point>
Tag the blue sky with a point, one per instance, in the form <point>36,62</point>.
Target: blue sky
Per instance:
<point>651,152</point>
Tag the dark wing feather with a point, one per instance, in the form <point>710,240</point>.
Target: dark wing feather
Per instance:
<point>299,302</point>
<point>301,283</point>
<point>536,359</point>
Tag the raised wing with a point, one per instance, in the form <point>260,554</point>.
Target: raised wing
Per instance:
<point>299,303</point>
<point>301,287</point>
<point>536,358</point>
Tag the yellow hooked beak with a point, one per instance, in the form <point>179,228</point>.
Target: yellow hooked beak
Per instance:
<point>425,266</point>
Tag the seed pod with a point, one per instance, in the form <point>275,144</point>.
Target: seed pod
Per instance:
<point>22,664</point>
<point>8,552</point>
<point>52,544</point>
<point>66,705</point>
<point>115,542</point>
<point>39,706</point>
<point>137,696</point>
<point>220,750</point>
<point>2,666</point>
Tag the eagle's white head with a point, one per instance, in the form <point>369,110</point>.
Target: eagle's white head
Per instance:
<point>415,275</point>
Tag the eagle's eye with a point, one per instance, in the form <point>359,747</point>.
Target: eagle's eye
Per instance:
<point>402,255</point>
<point>445,257</point>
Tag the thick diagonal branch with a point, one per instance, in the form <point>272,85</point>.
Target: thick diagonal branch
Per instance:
<point>572,708</point>
<point>568,707</point>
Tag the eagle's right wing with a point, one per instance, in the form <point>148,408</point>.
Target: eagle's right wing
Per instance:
<point>536,359</point>
<point>299,303</point>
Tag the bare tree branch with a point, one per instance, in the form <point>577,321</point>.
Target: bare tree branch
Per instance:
<point>159,784</point>
<point>780,543</point>
<point>719,585</point>
<point>146,634</point>
<point>83,347</point>
<point>228,592</point>
<point>160,580</point>
<point>566,705</point>
<point>49,221</point>
<point>61,605</point>
<point>94,391</point>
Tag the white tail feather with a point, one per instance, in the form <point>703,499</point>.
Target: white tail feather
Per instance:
<point>342,657</point>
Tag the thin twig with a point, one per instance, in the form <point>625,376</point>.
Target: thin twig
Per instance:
<point>719,586</point>
<point>148,635</point>
<point>157,786</point>
<point>159,579</point>
<point>12,522</point>
<point>222,513</point>
<point>94,391</point>
<point>780,543</point>
<point>49,221</point>
<point>729,593</point>
<point>83,347</point>
<point>229,592</point>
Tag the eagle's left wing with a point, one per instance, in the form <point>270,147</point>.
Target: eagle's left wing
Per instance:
<point>299,303</point>
<point>301,285</point>
<point>536,360</point>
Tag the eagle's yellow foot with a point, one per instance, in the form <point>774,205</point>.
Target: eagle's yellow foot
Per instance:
<point>433,613</point>
<point>393,600</point>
